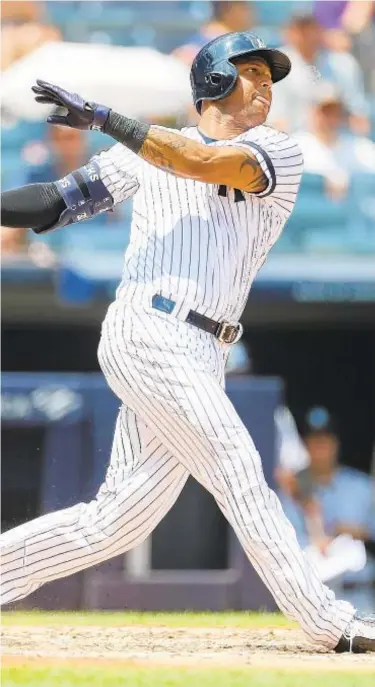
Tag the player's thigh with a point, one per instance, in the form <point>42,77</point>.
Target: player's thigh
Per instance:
<point>191,415</point>
<point>143,476</point>
<point>134,444</point>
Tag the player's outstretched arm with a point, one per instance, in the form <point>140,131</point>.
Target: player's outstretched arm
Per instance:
<point>44,207</point>
<point>226,165</point>
<point>80,195</point>
<point>35,206</point>
<point>168,150</point>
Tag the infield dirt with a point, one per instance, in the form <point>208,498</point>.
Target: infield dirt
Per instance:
<point>278,647</point>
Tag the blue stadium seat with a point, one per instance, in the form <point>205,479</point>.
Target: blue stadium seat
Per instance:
<point>61,12</point>
<point>319,224</point>
<point>90,238</point>
<point>13,171</point>
<point>271,35</point>
<point>314,210</point>
<point>326,240</point>
<point>361,215</point>
<point>14,137</point>
<point>110,13</point>
<point>96,237</point>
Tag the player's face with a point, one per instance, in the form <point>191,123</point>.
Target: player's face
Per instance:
<point>252,94</point>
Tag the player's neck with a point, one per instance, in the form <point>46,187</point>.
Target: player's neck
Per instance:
<point>221,125</point>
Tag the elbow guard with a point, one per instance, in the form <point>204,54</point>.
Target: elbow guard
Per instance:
<point>84,194</point>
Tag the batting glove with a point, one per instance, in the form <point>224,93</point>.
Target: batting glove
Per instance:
<point>81,114</point>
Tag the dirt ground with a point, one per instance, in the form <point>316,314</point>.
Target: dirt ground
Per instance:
<point>199,647</point>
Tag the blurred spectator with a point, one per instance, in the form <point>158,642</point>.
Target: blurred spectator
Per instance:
<point>346,501</point>
<point>23,30</point>
<point>293,473</point>
<point>292,454</point>
<point>13,242</point>
<point>21,11</point>
<point>226,16</point>
<point>350,25</point>
<point>16,247</point>
<point>63,151</point>
<point>343,18</point>
<point>310,62</point>
<point>328,148</point>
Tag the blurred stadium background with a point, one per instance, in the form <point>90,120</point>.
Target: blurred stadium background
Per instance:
<point>309,339</point>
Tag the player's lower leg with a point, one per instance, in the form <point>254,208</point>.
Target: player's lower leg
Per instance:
<point>67,541</point>
<point>137,493</point>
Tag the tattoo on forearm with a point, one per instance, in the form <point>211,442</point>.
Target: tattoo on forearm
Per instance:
<point>162,148</point>
<point>183,157</point>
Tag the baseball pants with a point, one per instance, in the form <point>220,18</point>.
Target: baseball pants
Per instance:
<point>175,420</point>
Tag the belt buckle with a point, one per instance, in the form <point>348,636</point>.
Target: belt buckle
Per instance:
<point>234,336</point>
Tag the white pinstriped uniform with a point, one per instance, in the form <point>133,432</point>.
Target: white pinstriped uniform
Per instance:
<point>195,244</point>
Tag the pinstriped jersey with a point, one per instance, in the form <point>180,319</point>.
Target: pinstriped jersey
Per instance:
<point>198,244</point>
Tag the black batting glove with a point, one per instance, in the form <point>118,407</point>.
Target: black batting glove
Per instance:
<point>81,114</point>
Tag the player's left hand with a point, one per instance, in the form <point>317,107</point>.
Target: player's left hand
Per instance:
<point>81,114</point>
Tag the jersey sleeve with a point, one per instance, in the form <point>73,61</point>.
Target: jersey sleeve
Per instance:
<point>281,160</point>
<point>119,171</point>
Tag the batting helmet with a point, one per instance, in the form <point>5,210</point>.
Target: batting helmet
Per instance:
<point>213,75</point>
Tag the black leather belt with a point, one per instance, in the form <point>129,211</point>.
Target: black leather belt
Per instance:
<point>223,331</point>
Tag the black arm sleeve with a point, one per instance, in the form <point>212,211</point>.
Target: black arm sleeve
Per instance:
<point>129,132</point>
<point>31,207</point>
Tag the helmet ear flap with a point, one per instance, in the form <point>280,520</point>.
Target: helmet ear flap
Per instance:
<point>212,84</point>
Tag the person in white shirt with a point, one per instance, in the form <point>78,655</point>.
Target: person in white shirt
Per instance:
<point>330,149</point>
<point>311,63</point>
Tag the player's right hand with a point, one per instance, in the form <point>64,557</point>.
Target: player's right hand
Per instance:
<point>81,114</point>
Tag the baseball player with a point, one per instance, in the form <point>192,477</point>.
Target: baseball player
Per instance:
<point>209,203</point>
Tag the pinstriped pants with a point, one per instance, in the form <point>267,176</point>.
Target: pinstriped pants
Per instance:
<point>176,420</point>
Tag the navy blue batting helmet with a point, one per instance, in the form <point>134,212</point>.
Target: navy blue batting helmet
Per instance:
<point>213,74</point>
